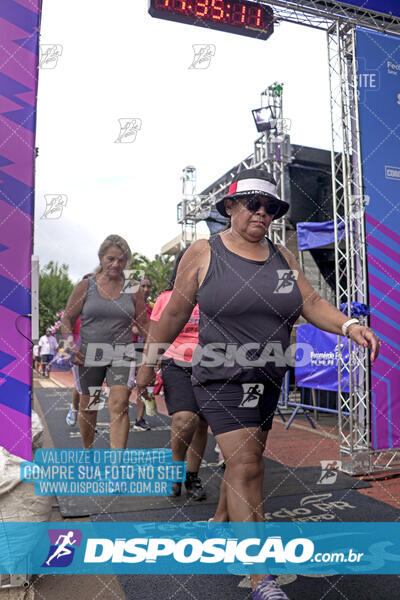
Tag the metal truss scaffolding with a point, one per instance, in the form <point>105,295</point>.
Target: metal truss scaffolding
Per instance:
<point>350,253</point>
<point>323,14</point>
<point>350,259</point>
<point>272,151</point>
<point>188,214</point>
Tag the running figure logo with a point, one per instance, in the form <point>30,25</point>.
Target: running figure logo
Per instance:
<point>252,393</point>
<point>281,129</point>
<point>287,279</point>
<point>97,398</point>
<point>132,281</point>
<point>128,129</point>
<point>328,474</point>
<point>55,204</point>
<point>49,55</point>
<point>203,54</point>
<point>62,547</point>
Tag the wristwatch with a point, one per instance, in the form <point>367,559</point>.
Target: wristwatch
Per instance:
<point>346,325</point>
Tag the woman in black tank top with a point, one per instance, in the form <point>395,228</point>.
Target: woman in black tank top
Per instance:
<point>250,292</point>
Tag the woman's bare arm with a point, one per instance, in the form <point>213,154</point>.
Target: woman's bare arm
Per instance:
<point>74,307</point>
<point>180,306</point>
<point>71,313</point>
<point>322,314</point>
<point>315,309</point>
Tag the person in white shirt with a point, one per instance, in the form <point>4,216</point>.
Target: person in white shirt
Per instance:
<point>47,349</point>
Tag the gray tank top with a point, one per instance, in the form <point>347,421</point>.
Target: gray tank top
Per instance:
<point>106,321</point>
<point>247,311</point>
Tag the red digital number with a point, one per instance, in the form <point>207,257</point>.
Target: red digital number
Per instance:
<point>179,4</point>
<point>162,3</point>
<point>217,12</point>
<point>254,17</point>
<point>238,14</point>
<point>201,4</point>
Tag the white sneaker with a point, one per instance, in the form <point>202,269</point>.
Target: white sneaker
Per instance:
<point>71,417</point>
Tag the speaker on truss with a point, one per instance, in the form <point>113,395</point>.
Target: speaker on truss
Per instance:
<point>308,185</point>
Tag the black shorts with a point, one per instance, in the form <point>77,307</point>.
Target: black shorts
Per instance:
<point>178,388</point>
<point>229,406</point>
<point>86,378</point>
<point>46,358</point>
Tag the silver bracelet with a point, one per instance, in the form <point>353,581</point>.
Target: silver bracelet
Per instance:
<point>346,325</point>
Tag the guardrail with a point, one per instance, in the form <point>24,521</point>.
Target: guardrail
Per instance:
<point>306,400</point>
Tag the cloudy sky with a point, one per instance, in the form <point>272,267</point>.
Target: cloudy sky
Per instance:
<point>117,62</point>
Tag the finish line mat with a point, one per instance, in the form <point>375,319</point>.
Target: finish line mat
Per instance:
<point>339,505</point>
<point>331,505</point>
<point>237,587</point>
<point>279,480</point>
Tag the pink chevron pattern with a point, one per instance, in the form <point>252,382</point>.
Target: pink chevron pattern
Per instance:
<point>19,51</point>
<point>385,318</point>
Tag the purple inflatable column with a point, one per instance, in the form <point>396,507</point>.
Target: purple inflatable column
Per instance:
<point>19,30</point>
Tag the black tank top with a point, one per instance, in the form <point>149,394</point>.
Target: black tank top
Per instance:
<point>247,311</point>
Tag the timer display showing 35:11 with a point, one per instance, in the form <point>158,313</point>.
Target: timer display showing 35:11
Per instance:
<point>246,18</point>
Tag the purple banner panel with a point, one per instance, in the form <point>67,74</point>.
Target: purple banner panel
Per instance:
<point>378,58</point>
<point>19,52</point>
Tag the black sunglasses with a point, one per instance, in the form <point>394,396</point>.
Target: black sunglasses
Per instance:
<point>253,203</point>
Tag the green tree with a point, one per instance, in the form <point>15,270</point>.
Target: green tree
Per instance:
<point>55,288</point>
<point>158,269</point>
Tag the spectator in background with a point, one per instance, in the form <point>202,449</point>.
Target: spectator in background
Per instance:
<point>145,286</point>
<point>47,349</point>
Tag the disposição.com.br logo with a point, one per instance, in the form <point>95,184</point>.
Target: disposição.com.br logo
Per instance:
<point>62,547</point>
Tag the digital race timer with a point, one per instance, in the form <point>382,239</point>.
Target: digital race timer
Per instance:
<point>242,17</point>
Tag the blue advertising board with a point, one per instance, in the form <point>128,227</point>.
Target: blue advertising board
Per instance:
<point>378,59</point>
<point>316,363</point>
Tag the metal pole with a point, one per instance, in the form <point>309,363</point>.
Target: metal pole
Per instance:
<point>361,273</point>
<point>351,276</point>
<point>34,298</point>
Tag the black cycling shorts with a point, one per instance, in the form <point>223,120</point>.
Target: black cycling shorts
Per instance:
<point>46,358</point>
<point>178,390</point>
<point>229,406</point>
<point>93,377</point>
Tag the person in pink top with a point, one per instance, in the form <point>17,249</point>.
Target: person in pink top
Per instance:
<point>140,423</point>
<point>189,430</point>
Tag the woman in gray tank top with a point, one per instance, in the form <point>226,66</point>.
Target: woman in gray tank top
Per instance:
<point>107,304</point>
<point>249,292</point>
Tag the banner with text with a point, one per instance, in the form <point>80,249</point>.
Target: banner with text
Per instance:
<point>202,547</point>
<point>378,59</point>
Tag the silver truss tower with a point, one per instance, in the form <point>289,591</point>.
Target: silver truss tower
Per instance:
<point>350,258</point>
<point>272,151</point>
<point>350,253</point>
<point>187,209</point>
